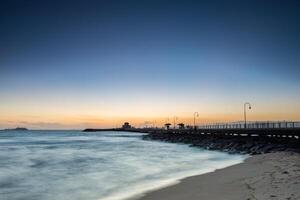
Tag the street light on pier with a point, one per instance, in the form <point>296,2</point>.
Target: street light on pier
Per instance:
<point>167,120</point>
<point>196,114</point>
<point>245,114</point>
<point>175,118</point>
<point>154,123</point>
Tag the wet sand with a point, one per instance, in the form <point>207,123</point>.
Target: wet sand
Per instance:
<point>274,176</point>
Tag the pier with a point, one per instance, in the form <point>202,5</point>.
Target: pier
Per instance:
<point>270,129</point>
<point>287,129</point>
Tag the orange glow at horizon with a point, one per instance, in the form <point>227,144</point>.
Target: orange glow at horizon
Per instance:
<point>56,113</point>
<point>94,121</point>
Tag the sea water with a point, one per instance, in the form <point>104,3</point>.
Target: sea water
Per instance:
<point>74,165</point>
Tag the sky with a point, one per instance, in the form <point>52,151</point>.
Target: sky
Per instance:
<point>78,64</point>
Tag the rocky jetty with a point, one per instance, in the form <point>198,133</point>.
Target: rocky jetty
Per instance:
<point>231,144</point>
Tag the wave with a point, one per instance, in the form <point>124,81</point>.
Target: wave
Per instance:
<point>107,166</point>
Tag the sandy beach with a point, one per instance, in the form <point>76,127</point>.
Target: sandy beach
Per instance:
<point>274,176</point>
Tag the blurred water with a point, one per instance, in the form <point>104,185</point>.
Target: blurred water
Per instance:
<point>73,165</point>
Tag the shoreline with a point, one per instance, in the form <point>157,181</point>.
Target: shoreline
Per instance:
<point>264,175</point>
<point>267,176</point>
<point>174,181</point>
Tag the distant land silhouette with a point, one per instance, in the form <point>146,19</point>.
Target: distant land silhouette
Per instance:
<point>16,129</point>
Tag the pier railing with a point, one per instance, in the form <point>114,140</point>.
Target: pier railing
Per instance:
<point>253,125</point>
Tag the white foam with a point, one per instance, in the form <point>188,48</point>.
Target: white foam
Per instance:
<point>137,191</point>
<point>81,166</point>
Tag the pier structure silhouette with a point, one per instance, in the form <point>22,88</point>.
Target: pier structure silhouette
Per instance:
<point>288,129</point>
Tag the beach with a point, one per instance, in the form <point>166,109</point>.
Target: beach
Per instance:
<point>273,176</point>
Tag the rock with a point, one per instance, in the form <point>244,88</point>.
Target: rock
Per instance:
<point>230,144</point>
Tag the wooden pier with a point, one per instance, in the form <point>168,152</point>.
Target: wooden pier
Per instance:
<point>256,129</point>
<point>270,129</point>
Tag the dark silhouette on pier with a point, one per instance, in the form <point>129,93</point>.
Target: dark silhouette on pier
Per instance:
<point>167,125</point>
<point>252,138</point>
<point>255,129</point>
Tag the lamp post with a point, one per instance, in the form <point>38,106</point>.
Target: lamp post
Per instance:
<point>175,118</point>
<point>167,120</point>
<point>245,114</point>
<point>196,114</point>
<point>154,123</point>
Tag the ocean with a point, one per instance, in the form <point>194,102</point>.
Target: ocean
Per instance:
<point>74,165</point>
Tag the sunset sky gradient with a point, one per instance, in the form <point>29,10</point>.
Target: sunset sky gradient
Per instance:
<point>77,64</point>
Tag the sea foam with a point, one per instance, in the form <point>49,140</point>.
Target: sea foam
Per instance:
<point>72,165</point>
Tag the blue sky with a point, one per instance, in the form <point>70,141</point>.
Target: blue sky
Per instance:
<point>188,55</point>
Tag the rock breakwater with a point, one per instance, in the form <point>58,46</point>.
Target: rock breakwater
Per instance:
<point>231,144</point>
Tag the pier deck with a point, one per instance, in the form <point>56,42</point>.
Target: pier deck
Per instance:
<point>255,129</point>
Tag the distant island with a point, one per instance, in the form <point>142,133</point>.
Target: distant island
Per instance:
<point>16,129</point>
